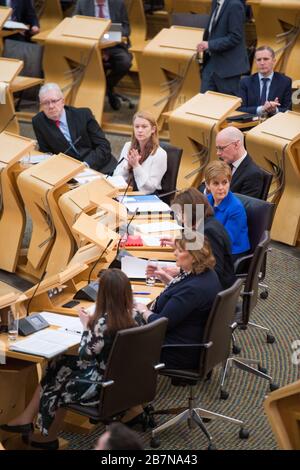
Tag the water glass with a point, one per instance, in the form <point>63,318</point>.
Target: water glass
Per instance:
<point>12,323</point>
<point>151,266</point>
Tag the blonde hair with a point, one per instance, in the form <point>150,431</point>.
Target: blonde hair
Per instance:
<point>153,142</point>
<point>203,257</point>
<point>217,169</point>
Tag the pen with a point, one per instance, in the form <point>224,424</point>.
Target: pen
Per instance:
<point>73,331</point>
<point>142,293</point>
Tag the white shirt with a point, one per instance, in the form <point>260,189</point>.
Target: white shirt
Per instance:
<point>149,174</point>
<point>259,109</point>
<point>237,163</point>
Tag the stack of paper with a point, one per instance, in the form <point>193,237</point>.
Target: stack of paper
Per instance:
<point>87,175</point>
<point>47,343</point>
<point>66,322</point>
<point>117,181</point>
<point>158,227</point>
<point>135,268</point>
<point>147,203</point>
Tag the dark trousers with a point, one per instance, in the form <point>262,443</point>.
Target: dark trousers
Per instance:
<point>117,66</point>
<point>211,81</point>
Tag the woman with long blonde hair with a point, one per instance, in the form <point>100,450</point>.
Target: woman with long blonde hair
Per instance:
<point>143,162</point>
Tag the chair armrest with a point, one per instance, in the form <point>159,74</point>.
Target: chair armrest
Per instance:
<point>197,345</point>
<point>240,262</point>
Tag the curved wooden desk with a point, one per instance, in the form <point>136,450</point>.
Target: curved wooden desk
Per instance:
<point>275,145</point>
<point>193,127</point>
<point>169,73</point>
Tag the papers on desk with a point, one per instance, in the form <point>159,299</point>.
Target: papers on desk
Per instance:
<point>66,322</point>
<point>142,300</point>
<point>34,159</point>
<point>117,181</point>
<point>146,203</point>
<point>165,226</point>
<point>47,343</point>
<point>148,240</point>
<point>135,268</point>
<point>87,175</point>
<point>14,25</point>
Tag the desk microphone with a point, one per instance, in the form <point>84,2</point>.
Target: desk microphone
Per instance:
<point>111,173</point>
<point>169,193</point>
<point>35,291</point>
<point>72,146</point>
<point>89,292</point>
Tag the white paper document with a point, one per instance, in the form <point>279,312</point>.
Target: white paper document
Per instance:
<point>87,175</point>
<point>66,322</point>
<point>14,25</point>
<point>144,203</point>
<point>135,268</point>
<point>117,181</point>
<point>165,226</point>
<point>47,343</point>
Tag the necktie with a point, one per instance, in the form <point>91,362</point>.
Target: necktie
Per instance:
<point>214,17</point>
<point>231,167</point>
<point>100,9</point>
<point>57,123</point>
<point>263,96</point>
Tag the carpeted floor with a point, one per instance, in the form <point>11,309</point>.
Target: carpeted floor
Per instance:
<point>281,313</point>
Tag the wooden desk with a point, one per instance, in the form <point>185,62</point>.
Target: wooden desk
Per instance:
<point>169,73</point>
<point>5,13</point>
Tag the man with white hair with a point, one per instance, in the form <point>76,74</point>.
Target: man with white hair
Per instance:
<point>247,177</point>
<point>73,131</point>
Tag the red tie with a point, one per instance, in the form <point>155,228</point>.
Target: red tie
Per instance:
<point>100,9</point>
<point>57,123</point>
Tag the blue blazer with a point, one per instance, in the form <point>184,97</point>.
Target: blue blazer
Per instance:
<point>281,87</point>
<point>186,304</point>
<point>226,43</point>
<point>231,213</point>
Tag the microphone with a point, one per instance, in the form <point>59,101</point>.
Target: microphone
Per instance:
<point>126,230</point>
<point>89,292</point>
<point>169,193</point>
<point>72,145</point>
<point>35,291</point>
<point>111,173</point>
<point>126,190</point>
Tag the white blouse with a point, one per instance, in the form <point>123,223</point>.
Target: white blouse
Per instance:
<point>149,174</point>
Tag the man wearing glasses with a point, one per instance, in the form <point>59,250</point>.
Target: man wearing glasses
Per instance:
<point>247,177</point>
<point>73,131</point>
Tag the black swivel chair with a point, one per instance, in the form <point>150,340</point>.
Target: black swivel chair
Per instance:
<point>249,301</point>
<point>213,350</point>
<point>267,180</point>
<point>260,215</point>
<point>169,180</point>
<point>131,373</point>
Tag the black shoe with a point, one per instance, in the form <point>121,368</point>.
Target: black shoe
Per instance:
<point>114,101</point>
<point>21,428</point>
<point>50,445</point>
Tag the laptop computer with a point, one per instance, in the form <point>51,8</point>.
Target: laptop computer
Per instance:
<point>114,33</point>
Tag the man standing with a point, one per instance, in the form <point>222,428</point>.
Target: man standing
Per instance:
<point>73,131</point>
<point>223,47</point>
<point>266,92</point>
<point>116,59</point>
<point>247,177</point>
<point>23,11</point>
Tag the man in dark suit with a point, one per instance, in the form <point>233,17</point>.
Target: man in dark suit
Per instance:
<point>266,92</point>
<point>247,177</point>
<point>23,11</point>
<point>116,59</point>
<point>73,131</point>
<point>223,47</point>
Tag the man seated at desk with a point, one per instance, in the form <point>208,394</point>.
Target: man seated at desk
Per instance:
<point>266,92</point>
<point>116,59</point>
<point>73,131</point>
<point>23,11</point>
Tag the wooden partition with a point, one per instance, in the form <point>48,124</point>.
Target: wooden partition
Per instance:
<point>169,72</point>
<point>275,145</point>
<point>50,14</point>
<point>193,127</point>
<point>72,58</point>
<point>278,26</point>
<point>9,69</point>
<point>12,213</point>
<point>41,187</point>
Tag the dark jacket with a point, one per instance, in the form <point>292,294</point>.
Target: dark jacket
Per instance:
<point>23,11</point>
<point>186,304</point>
<point>226,43</point>
<point>247,179</point>
<point>221,248</point>
<point>91,143</point>
<point>281,87</point>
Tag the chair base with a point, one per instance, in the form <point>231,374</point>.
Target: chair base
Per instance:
<point>194,416</point>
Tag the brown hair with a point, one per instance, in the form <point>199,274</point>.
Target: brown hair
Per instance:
<point>217,169</point>
<point>114,299</point>
<point>266,48</point>
<point>193,197</point>
<point>203,258</point>
<point>153,142</point>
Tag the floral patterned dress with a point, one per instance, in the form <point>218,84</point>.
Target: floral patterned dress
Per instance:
<point>59,386</point>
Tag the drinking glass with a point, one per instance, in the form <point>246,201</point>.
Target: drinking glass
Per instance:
<point>12,323</point>
<point>151,265</point>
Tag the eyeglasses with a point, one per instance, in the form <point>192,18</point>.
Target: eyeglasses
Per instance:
<point>220,149</point>
<point>49,102</point>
